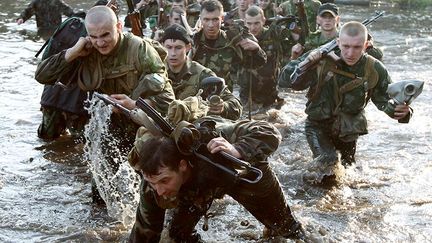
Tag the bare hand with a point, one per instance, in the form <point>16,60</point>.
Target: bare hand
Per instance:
<point>124,101</point>
<point>20,21</point>
<point>221,144</point>
<point>248,45</point>
<point>314,56</point>
<point>401,111</point>
<point>296,51</point>
<point>83,47</point>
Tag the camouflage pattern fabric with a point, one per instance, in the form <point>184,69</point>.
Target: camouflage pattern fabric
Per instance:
<point>186,83</point>
<point>311,7</point>
<point>264,80</point>
<point>331,108</point>
<point>255,141</point>
<point>224,57</point>
<point>48,14</point>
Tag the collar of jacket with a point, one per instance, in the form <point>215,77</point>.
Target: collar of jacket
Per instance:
<point>220,42</point>
<point>186,70</point>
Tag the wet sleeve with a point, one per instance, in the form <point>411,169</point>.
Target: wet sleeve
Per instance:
<point>53,68</point>
<point>255,140</point>
<point>149,218</point>
<point>304,81</point>
<point>28,12</point>
<point>156,87</point>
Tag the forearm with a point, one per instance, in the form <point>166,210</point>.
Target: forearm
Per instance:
<point>52,68</point>
<point>232,106</point>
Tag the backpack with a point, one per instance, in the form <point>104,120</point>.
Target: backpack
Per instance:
<point>64,37</point>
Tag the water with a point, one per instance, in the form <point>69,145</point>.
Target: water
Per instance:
<point>386,197</point>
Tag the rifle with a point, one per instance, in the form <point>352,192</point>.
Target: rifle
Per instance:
<point>134,17</point>
<point>301,12</point>
<point>239,169</point>
<point>148,116</point>
<point>306,65</point>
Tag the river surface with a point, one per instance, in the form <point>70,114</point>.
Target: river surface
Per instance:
<point>386,197</point>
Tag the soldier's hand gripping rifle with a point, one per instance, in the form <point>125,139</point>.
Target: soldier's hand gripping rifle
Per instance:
<point>238,169</point>
<point>304,66</point>
<point>134,17</point>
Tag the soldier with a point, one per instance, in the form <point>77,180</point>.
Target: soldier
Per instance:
<point>171,179</point>
<point>328,19</point>
<point>311,7</point>
<point>268,6</point>
<point>238,12</point>
<point>338,93</point>
<point>121,65</point>
<point>48,15</point>
<point>221,53</point>
<point>186,75</point>
<point>264,79</point>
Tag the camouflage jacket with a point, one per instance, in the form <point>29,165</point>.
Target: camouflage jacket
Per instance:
<point>134,68</point>
<point>327,101</point>
<point>311,7</point>
<point>186,83</point>
<point>48,13</point>
<point>273,41</point>
<point>224,57</point>
<point>255,140</point>
<point>269,12</point>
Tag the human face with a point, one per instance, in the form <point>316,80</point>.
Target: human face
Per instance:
<point>352,48</point>
<point>175,19</point>
<point>167,182</point>
<point>263,4</point>
<point>104,36</point>
<point>244,4</point>
<point>177,53</point>
<point>211,23</point>
<point>255,24</point>
<point>327,21</point>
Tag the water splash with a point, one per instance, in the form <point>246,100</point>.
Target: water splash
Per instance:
<point>117,187</point>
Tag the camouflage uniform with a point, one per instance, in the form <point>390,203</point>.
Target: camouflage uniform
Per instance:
<point>335,106</point>
<point>186,83</point>
<point>311,8</point>
<point>224,57</point>
<point>269,11</point>
<point>48,14</point>
<point>255,141</point>
<point>264,79</point>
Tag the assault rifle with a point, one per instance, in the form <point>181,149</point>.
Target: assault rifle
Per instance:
<point>134,17</point>
<point>240,170</point>
<point>290,21</point>
<point>306,65</point>
<point>301,12</point>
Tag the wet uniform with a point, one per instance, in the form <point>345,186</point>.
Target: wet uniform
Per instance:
<point>48,14</point>
<point>255,141</point>
<point>336,102</point>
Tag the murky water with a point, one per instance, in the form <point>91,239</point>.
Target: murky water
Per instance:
<point>386,197</point>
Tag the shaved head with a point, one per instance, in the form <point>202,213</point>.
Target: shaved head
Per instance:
<point>100,14</point>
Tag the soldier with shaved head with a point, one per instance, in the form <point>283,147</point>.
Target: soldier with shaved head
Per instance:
<point>119,64</point>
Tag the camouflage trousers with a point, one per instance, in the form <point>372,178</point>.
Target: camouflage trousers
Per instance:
<point>324,144</point>
<point>265,93</point>
<point>264,200</point>
<point>55,122</point>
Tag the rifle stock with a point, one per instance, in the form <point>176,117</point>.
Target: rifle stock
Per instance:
<point>134,17</point>
<point>307,64</point>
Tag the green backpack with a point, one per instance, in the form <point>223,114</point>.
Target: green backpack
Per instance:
<point>64,37</point>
